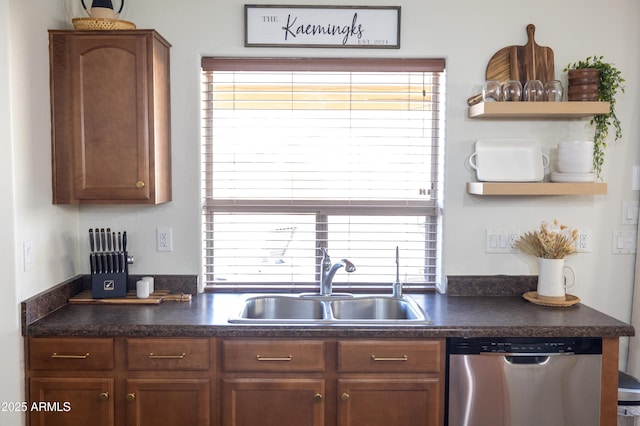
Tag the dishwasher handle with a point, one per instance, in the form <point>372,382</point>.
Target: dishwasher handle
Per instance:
<point>527,359</point>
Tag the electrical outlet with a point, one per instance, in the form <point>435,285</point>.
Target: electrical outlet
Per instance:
<point>513,237</point>
<point>583,242</point>
<point>164,240</point>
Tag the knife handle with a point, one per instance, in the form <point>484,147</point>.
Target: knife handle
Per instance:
<point>91,241</point>
<point>103,239</point>
<point>96,236</point>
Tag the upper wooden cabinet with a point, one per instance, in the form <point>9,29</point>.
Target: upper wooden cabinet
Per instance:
<point>110,108</point>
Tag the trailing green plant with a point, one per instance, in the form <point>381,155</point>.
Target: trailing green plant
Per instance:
<point>610,83</point>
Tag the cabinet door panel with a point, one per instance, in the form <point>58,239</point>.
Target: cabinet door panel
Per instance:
<point>273,402</point>
<point>111,117</point>
<point>110,92</point>
<point>67,401</point>
<point>388,402</point>
<point>168,402</point>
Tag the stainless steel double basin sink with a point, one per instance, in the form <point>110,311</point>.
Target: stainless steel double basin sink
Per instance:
<point>331,309</point>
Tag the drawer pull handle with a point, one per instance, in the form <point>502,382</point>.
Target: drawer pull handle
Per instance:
<point>317,397</point>
<point>131,397</point>
<point>104,396</point>
<point>382,358</point>
<point>274,358</point>
<point>69,356</point>
<point>344,397</point>
<point>154,356</point>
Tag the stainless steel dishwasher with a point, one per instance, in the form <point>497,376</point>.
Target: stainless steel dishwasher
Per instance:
<point>524,381</point>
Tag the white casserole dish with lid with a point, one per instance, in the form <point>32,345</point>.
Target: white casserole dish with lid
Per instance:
<point>508,160</point>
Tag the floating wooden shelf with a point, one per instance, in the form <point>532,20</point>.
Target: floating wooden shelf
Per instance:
<point>536,188</point>
<point>537,109</point>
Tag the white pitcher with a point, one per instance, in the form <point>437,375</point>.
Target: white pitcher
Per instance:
<point>552,283</point>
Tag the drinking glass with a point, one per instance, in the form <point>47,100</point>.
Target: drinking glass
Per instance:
<point>512,91</point>
<point>491,91</point>
<point>533,91</point>
<point>553,91</point>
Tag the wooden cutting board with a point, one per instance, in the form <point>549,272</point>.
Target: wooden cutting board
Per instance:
<point>523,63</point>
<point>528,62</point>
<point>86,298</point>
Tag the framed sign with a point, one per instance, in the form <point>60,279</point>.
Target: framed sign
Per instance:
<point>322,26</point>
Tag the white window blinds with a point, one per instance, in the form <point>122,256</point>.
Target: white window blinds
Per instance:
<point>300,154</point>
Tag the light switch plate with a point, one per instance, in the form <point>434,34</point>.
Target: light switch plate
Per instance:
<point>28,258</point>
<point>630,212</point>
<point>501,241</point>
<point>635,178</point>
<point>624,242</point>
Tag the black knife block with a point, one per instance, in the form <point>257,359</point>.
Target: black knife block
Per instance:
<point>110,284</point>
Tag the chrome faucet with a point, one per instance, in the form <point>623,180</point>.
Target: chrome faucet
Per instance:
<point>329,270</point>
<point>397,285</point>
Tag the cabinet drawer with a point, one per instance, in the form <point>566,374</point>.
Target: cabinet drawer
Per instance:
<point>73,353</point>
<point>373,356</point>
<point>273,355</point>
<point>168,354</point>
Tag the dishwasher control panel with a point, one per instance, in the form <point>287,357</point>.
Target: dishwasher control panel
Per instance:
<point>525,345</point>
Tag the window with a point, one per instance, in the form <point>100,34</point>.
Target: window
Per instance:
<point>303,154</point>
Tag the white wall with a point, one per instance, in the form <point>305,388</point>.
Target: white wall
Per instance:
<point>465,32</point>
<point>25,179</point>
<point>9,335</point>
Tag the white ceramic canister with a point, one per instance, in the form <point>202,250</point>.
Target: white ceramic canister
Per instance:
<point>152,287</point>
<point>142,289</point>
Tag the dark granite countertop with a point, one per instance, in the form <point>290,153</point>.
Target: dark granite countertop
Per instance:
<point>207,314</point>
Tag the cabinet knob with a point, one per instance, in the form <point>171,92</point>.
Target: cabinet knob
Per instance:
<point>131,397</point>
<point>344,397</point>
<point>139,184</point>
<point>317,397</point>
<point>104,396</point>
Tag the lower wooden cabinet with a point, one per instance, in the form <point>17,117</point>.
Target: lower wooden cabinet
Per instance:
<point>345,382</point>
<point>120,381</point>
<point>71,401</point>
<point>167,382</point>
<point>273,401</point>
<point>396,382</point>
<point>386,402</point>
<point>168,402</point>
<point>235,381</point>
